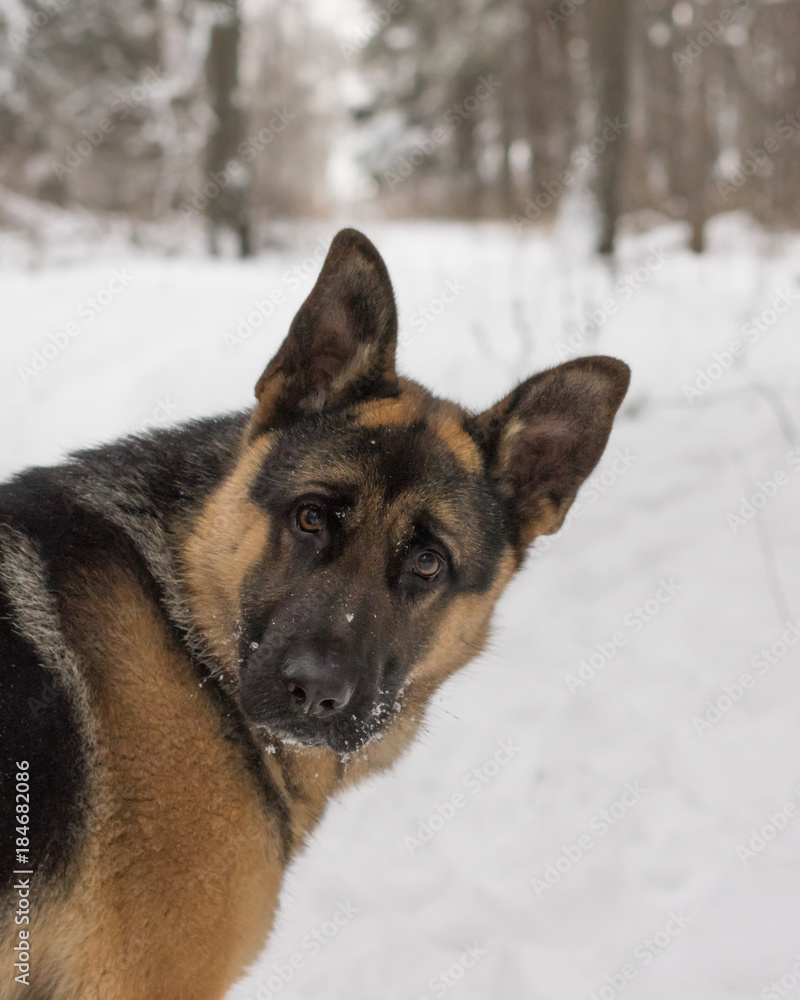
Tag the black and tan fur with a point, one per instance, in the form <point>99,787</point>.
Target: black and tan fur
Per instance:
<point>192,672</point>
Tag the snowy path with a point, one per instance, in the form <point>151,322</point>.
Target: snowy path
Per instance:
<point>609,783</point>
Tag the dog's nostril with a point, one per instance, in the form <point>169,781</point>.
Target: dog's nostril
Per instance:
<point>316,684</point>
<point>297,693</point>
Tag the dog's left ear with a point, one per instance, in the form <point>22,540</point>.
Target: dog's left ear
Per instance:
<point>544,439</point>
<point>341,345</point>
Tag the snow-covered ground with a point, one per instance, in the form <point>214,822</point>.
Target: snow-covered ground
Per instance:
<point>594,842</point>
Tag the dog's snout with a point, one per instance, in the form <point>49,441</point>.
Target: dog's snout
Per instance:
<point>316,684</point>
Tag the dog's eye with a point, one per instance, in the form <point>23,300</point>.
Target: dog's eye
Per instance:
<point>427,564</point>
<point>311,518</point>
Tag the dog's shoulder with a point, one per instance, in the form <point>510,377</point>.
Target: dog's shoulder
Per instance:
<point>64,532</point>
<point>62,527</point>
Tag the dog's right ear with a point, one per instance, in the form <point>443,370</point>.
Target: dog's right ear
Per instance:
<point>341,344</point>
<point>543,440</point>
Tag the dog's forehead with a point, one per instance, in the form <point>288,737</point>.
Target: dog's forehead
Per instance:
<point>408,445</point>
<point>400,470</point>
<point>417,409</point>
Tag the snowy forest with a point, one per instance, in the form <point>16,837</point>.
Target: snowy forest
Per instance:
<point>605,801</point>
<point>248,113</point>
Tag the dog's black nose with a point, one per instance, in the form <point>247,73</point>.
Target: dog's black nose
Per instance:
<point>318,686</point>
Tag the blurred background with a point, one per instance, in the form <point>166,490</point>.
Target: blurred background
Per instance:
<point>545,180</point>
<point>246,112</point>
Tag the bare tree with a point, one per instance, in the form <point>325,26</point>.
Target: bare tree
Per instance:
<point>609,34</point>
<point>227,177</point>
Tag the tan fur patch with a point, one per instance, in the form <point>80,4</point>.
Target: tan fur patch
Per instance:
<point>417,396</point>
<point>225,541</point>
<point>311,776</point>
<point>180,876</point>
<point>444,419</point>
<point>362,362</point>
<point>269,390</point>
<point>513,429</point>
<point>463,632</point>
<point>459,442</point>
<point>386,412</point>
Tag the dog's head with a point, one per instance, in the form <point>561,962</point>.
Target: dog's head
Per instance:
<point>360,544</point>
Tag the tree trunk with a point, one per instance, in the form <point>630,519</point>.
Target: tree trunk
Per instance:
<point>227,178</point>
<point>609,32</point>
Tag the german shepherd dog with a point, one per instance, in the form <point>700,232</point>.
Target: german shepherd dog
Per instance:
<point>206,632</point>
